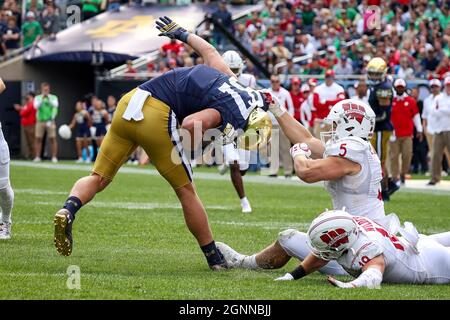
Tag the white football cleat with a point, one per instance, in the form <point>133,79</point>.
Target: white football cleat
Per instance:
<point>80,160</point>
<point>88,160</point>
<point>54,159</point>
<point>37,159</point>
<point>223,168</point>
<point>246,208</point>
<point>232,257</point>
<point>5,233</point>
<point>245,204</point>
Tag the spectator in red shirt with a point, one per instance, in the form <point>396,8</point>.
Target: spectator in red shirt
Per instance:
<point>130,70</point>
<point>297,97</point>
<point>172,47</point>
<point>27,114</point>
<point>405,115</point>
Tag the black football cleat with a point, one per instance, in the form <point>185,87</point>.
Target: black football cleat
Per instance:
<point>392,187</point>
<point>63,232</point>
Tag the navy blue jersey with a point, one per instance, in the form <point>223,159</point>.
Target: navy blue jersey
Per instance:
<point>382,91</point>
<point>190,90</point>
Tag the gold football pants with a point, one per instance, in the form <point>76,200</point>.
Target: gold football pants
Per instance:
<point>157,134</point>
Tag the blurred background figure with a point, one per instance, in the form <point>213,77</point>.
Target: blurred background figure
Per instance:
<point>405,116</point>
<point>326,95</point>
<point>100,119</point>
<point>47,105</point>
<point>362,92</point>
<point>440,115</point>
<point>81,122</point>
<point>27,114</point>
<point>284,144</point>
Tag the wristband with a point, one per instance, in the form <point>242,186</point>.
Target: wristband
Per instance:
<point>298,273</point>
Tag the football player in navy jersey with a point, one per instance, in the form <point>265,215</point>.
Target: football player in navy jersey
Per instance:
<point>380,99</point>
<point>149,116</point>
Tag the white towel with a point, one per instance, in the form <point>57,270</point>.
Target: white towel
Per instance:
<point>134,108</point>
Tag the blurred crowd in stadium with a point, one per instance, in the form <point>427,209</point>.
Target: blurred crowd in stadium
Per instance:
<point>328,39</point>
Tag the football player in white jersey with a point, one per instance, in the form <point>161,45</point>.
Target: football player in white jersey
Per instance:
<point>6,192</point>
<point>371,254</point>
<point>346,162</point>
<point>237,159</point>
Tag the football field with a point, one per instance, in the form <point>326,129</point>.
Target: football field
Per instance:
<point>131,242</point>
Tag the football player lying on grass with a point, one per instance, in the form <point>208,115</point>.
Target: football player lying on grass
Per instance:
<point>363,248</point>
<point>343,158</point>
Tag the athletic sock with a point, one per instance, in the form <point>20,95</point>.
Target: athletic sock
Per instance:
<point>249,262</point>
<point>72,204</point>
<point>6,203</point>
<point>213,256</point>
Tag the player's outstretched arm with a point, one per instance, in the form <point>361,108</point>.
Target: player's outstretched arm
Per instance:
<point>309,265</point>
<point>314,170</point>
<point>371,277</point>
<point>209,54</point>
<point>2,85</point>
<point>295,131</point>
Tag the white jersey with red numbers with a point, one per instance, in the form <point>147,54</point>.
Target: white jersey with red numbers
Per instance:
<point>403,263</point>
<point>247,80</point>
<point>360,194</point>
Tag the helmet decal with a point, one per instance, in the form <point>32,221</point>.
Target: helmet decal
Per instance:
<point>335,238</point>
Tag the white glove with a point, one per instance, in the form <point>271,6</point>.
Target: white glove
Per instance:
<point>300,149</point>
<point>274,105</point>
<point>49,123</point>
<point>340,284</point>
<point>286,277</point>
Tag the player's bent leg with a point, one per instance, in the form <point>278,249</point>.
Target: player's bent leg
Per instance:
<point>6,192</point>
<point>194,214</point>
<point>271,257</point>
<point>236,178</point>
<point>295,244</point>
<point>197,222</point>
<point>436,259</point>
<point>442,238</point>
<point>82,192</point>
<point>115,150</point>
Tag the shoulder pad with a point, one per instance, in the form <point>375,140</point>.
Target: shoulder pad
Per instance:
<point>352,148</point>
<point>366,253</point>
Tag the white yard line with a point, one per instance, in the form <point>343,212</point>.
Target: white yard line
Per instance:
<point>411,185</point>
<point>131,205</point>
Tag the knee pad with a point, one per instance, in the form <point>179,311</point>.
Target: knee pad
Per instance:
<point>284,236</point>
<point>4,183</point>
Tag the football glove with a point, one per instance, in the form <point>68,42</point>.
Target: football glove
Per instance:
<point>273,103</point>
<point>300,149</point>
<point>171,29</point>
<point>286,277</point>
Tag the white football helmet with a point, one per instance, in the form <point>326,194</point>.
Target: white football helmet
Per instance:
<point>234,62</point>
<point>350,117</point>
<point>331,234</point>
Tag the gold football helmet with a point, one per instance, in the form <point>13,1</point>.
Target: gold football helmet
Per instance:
<point>258,130</point>
<point>376,71</point>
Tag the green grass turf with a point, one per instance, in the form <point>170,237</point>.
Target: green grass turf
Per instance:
<point>126,251</point>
